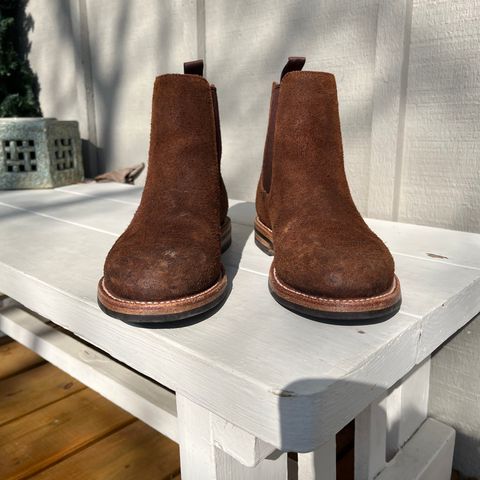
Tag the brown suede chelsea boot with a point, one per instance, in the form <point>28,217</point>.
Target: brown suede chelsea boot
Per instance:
<point>328,264</point>
<point>166,265</point>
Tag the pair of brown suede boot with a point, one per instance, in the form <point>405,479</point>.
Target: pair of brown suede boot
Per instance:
<point>327,263</point>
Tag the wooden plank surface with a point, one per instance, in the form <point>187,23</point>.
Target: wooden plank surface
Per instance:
<point>252,351</point>
<point>116,203</point>
<point>56,431</point>
<point>136,451</point>
<point>35,388</point>
<point>16,359</point>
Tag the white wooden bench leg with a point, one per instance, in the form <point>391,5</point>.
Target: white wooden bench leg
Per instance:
<point>202,456</point>
<point>386,426</point>
<point>427,455</point>
<point>319,464</point>
<point>370,441</point>
<point>407,408</point>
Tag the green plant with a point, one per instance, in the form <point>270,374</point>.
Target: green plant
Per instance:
<point>18,83</point>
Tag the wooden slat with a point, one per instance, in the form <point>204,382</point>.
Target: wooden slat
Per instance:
<point>134,452</point>
<point>40,439</point>
<point>15,359</point>
<point>37,387</point>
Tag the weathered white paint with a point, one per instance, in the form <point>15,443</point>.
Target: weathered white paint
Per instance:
<point>239,444</point>
<point>406,407</point>
<point>388,423</point>
<point>427,456</point>
<point>370,442</point>
<point>312,378</point>
<point>202,457</point>
<point>321,464</point>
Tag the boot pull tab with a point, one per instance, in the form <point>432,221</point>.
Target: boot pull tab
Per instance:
<point>193,68</point>
<point>294,63</point>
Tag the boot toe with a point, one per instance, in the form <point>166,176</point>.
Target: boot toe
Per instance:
<point>160,272</point>
<point>339,271</point>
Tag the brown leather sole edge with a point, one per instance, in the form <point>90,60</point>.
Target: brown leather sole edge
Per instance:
<point>145,312</point>
<point>378,307</point>
<point>263,238</point>
<point>139,312</point>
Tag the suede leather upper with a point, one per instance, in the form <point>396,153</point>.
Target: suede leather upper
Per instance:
<point>322,245</point>
<point>171,248</point>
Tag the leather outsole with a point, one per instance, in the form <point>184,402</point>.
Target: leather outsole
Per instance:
<point>376,308</point>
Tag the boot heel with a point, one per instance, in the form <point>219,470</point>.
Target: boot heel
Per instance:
<point>263,238</point>
<point>226,239</point>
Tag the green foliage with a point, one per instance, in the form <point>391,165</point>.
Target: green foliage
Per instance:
<point>18,83</point>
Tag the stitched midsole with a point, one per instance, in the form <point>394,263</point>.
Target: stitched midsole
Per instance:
<point>263,237</point>
<point>139,303</point>
<point>348,301</point>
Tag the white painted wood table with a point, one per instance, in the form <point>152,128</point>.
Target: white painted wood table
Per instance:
<point>252,381</point>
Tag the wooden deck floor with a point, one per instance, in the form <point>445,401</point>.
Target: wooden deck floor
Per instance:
<point>53,427</point>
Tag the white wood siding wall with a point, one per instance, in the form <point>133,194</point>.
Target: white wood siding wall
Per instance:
<point>407,70</point>
<point>408,73</point>
<point>440,182</point>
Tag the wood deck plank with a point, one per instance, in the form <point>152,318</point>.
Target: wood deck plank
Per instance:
<point>35,388</point>
<point>136,451</point>
<point>16,359</point>
<point>42,438</point>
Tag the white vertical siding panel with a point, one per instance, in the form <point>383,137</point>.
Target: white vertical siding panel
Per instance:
<point>52,57</point>
<point>247,44</point>
<point>441,166</point>
<point>132,42</point>
<point>388,117</point>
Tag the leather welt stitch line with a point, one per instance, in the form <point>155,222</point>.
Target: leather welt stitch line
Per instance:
<point>262,225</point>
<point>163,302</point>
<point>334,300</point>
